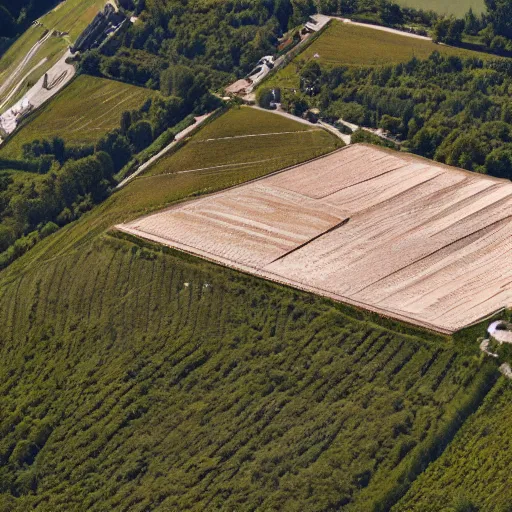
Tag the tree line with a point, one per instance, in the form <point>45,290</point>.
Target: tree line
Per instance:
<point>451,109</point>
<point>75,178</point>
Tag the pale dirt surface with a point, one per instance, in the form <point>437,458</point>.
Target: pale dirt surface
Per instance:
<point>393,233</point>
<point>58,77</point>
<point>382,29</point>
<point>501,331</point>
<point>21,66</point>
<point>14,90</point>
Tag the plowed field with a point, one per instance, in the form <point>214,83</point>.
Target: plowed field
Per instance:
<point>395,234</point>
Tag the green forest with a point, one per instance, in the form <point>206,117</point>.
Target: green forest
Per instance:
<point>452,109</point>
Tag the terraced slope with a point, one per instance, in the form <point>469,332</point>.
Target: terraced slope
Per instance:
<point>87,109</point>
<point>245,138</point>
<point>137,378</point>
<point>134,379</point>
<point>474,472</point>
<point>397,234</point>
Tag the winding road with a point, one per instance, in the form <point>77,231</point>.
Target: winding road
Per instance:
<point>19,68</point>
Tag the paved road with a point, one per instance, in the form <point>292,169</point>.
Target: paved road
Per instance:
<point>19,68</point>
<point>382,29</point>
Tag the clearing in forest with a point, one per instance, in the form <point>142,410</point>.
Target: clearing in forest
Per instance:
<point>395,234</point>
<point>455,7</point>
<point>81,114</point>
<point>345,44</point>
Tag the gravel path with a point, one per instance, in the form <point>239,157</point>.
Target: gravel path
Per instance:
<point>58,77</point>
<point>19,68</point>
<point>20,83</point>
<point>382,29</point>
<point>180,136</point>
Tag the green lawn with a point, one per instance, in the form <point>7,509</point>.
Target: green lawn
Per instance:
<point>456,7</point>
<point>343,44</point>
<point>83,112</point>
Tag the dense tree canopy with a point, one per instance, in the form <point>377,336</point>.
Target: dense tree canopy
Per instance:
<point>454,110</point>
<point>500,15</point>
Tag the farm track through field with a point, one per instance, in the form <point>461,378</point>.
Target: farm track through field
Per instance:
<point>15,89</point>
<point>223,166</point>
<point>26,59</point>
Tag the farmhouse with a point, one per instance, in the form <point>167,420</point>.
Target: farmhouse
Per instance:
<point>393,233</point>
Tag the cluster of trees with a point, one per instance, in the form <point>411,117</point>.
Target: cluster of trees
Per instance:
<point>451,109</point>
<point>493,28</point>
<point>216,40</point>
<point>16,16</point>
<point>77,177</point>
<point>34,208</point>
<point>382,12</point>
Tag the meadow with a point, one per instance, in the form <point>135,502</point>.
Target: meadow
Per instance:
<point>82,113</point>
<point>257,142</point>
<point>15,54</point>
<point>343,44</point>
<point>455,7</point>
<point>72,16</point>
<point>135,377</point>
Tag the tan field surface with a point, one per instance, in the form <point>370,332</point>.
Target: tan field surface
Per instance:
<point>392,233</point>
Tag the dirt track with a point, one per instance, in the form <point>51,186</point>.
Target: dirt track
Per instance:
<point>19,68</point>
<point>58,77</point>
<point>396,234</point>
<point>382,29</point>
<point>15,89</point>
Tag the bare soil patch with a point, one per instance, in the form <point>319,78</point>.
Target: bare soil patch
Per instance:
<point>393,233</point>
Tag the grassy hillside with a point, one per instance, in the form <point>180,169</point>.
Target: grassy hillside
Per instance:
<point>456,7</point>
<point>144,195</point>
<point>134,377</point>
<point>343,44</point>
<point>257,141</point>
<point>475,469</point>
<point>19,49</point>
<point>72,16</point>
<point>24,77</point>
<point>84,111</point>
